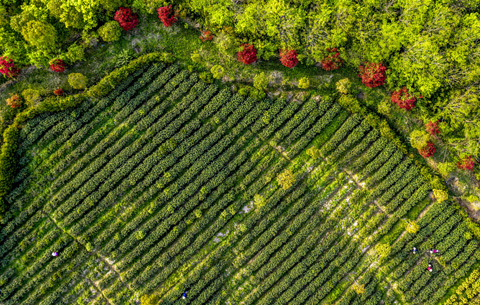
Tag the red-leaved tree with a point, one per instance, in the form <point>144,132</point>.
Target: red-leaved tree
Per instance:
<point>58,91</point>
<point>205,35</point>
<point>248,55</point>
<point>166,15</point>
<point>467,163</point>
<point>428,150</point>
<point>58,65</point>
<point>373,74</point>
<point>127,19</point>
<point>432,128</point>
<point>8,67</point>
<point>288,58</point>
<point>332,61</point>
<point>403,99</point>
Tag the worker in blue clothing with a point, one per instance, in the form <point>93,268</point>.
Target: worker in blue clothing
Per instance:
<point>184,295</point>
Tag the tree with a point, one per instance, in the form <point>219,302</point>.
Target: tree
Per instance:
<point>166,15</point>
<point>412,227</point>
<point>304,83</point>
<point>286,179</point>
<point>467,163</point>
<point>445,168</point>
<point>331,61</point>
<point>217,71</point>
<point>248,54</point>
<point>288,58</point>
<point>428,150</point>
<point>373,74</point>
<point>8,68</point>
<point>110,31</point>
<point>40,34</point>
<point>205,35</point>
<point>432,128</point>
<point>57,65</point>
<point>31,96</point>
<point>127,19</point>
<point>77,80</point>
<point>419,139</point>
<point>314,152</point>
<point>14,101</point>
<point>403,99</point>
<point>58,92</point>
<point>359,289</point>
<point>260,81</point>
<point>149,299</point>
<point>344,86</point>
<point>440,195</point>
<point>383,250</point>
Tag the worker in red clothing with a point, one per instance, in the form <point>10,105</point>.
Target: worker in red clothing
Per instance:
<point>429,268</point>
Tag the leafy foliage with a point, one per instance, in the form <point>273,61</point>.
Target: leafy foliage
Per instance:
<point>467,163</point>
<point>428,150</point>
<point>403,99</point>
<point>8,68</point>
<point>332,60</point>
<point>432,128</point>
<point>77,80</point>
<point>58,65</point>
<point>14,101</point>
<point>126,18</point>
<point>110,31</point>
<point>166,15</point>
<point>288,58</point>
<point>247,55</point>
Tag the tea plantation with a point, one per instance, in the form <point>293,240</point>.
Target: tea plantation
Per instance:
<point>171,185</point>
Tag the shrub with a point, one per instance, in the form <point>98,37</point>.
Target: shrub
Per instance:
<point>31,96</point>
<point>440,195</point>
<point>257,94</point>
<point>383,250</point>
<point>260,81</point>
<point>206,77</point>
<point>428,150</point>
<point>432,128</point>
<point>373,74</point>
<point>14,101</point>
<point>314,152</point>
<point>8,68</point>
<point>58,92</point>
<point>332,61</point>
<point>110,31</point>
<point>40,34</point>
<point>248,54</point>
<point>344,85</point>
<point>77,80</point>
<point>57,65</point>
<point>467,163</point>
<point>412,227</point>
<point>288,58</point>
<point>166,15</point>
<point>149,299</point>
<point>359,289</point>
<point>126,18</point>
<point>217,71</point>
<point>403,99</point>
<point>205,35</point>
<point>286,179</point>
<point>445,168</point>
<point>75,53</point>
<point>419,139</point>
<point>304,83</point>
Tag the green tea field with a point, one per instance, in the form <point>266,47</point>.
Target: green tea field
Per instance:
<point>170,186</point>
